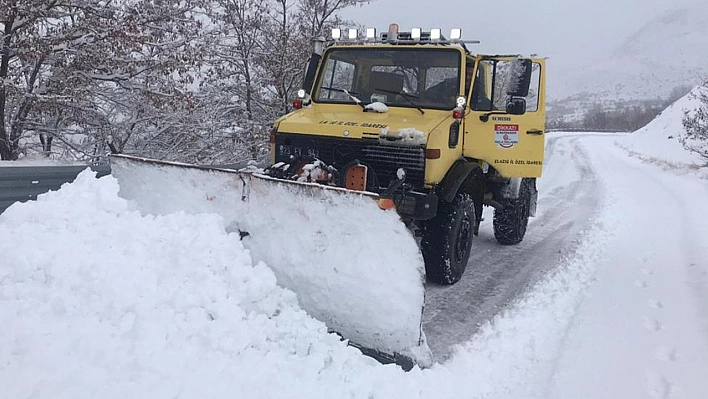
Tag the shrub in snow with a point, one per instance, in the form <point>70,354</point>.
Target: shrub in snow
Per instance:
<point>696,124</point>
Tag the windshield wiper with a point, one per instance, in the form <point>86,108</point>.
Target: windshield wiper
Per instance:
<point>404,95</point>
<point>348,93</point>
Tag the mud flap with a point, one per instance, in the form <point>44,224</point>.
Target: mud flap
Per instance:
<point>353,266</point>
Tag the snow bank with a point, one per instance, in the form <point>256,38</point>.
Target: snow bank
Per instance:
<point>99,301</point>
<point>658,141</point>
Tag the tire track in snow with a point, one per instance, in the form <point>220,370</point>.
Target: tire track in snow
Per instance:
<point>654,278</point>
<point>659,385</point>
<point>496,275</point>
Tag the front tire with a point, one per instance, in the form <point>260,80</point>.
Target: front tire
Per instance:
<point>447,240</point>
<point>510,223</point>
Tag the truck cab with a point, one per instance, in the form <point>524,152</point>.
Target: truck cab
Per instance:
<point>435,130</point>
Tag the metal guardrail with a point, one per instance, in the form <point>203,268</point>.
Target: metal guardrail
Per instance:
<point>25,183</point>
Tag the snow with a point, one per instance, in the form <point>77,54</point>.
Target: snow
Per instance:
<point>406,136</point>
<point>114,304</point>
<point>99,300</point>
<point>124,305</point>
<point>640,331</point>
<point>377,106</point>
<point>658,141</point>
<point>667,52</point>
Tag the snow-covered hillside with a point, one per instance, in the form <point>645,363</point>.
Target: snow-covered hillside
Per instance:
<point>659,141</point>
<point>667,52</point>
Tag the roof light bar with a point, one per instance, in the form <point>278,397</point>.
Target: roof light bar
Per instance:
<point>392,33</point>
<point>393,36</point>
<point>435,34</point>
<point>455,34</point>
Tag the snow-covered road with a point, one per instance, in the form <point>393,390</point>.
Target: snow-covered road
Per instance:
<point>642,329</point>
<point>569,195</point>
<point>607,296</point>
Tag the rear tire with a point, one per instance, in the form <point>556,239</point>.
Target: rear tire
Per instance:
<point>510,223</point>
<point>447,240</point>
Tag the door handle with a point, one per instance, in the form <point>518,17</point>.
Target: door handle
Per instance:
<point>535,132</point>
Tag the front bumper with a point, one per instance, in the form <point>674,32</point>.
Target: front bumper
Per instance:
<point>416,206</point>
<point>412,201</point>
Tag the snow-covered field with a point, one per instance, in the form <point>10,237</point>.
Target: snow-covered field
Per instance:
<point>97,301</point>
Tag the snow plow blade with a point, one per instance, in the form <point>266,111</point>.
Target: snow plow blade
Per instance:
<point>352,265</point>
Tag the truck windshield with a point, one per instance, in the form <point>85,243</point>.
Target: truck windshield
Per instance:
<point>400,77</point>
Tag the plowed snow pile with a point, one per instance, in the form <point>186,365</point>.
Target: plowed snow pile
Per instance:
<point>101,302</point>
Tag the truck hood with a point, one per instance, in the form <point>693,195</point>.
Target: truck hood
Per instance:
<point>350,121</point>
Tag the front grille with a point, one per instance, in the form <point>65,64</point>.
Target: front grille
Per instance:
<point>382,160</point>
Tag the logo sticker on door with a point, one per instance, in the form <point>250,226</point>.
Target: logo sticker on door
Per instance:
<point>506,135</point>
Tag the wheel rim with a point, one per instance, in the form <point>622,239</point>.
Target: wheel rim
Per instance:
<point>462,238</point>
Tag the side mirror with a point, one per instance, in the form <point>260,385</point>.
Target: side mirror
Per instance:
<point>522,77</point>
<point>516,106</point>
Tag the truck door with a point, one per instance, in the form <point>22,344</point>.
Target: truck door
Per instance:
<point>505,121</point>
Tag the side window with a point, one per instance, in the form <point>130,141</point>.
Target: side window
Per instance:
<point>534,87</point>
<point>338,75</point>
<point>505,77</point>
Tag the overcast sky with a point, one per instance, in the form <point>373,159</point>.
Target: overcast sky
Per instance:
<point>560,29</point>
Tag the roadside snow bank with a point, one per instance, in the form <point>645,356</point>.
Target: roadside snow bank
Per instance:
<point>658,141</point>
<point>97,301</point>
<point>514,355</point>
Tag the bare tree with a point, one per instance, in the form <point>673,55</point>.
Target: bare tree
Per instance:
<point>696,124</point>
<point>65,63</point>
<point>318,14</point>
<point>188,80</point>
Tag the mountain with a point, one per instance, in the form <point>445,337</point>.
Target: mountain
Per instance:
<point>669,51</point>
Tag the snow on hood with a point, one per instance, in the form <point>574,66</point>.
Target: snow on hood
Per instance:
<point>377,107</point>
<point>356,122</point>
<point>407,136</point>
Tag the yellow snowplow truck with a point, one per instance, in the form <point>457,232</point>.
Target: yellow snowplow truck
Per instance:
<point>394,134</point>
<point>435,131</point>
